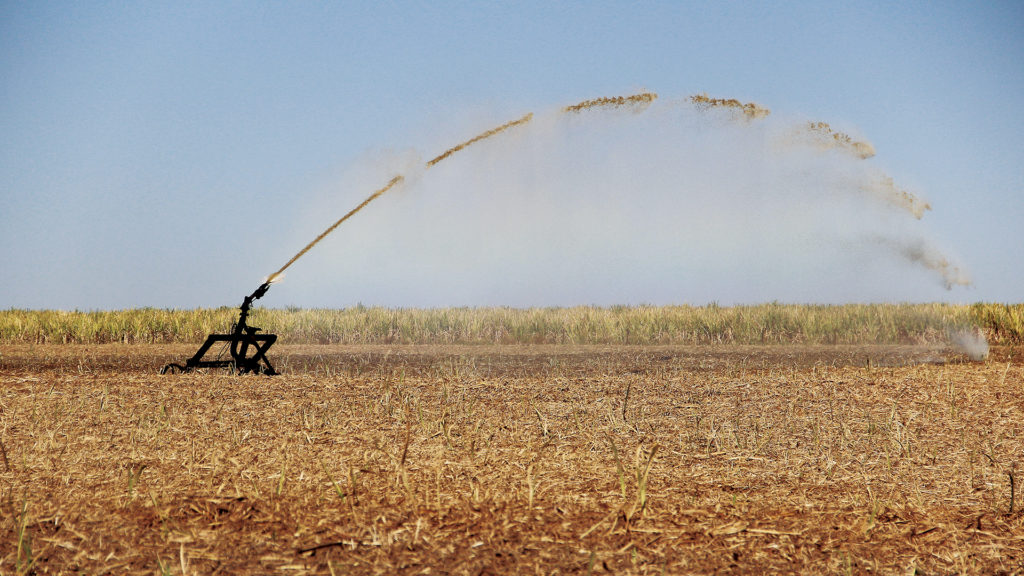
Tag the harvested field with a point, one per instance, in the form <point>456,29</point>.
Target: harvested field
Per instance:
<point>382,459</point>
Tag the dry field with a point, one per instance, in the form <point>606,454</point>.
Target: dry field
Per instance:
<point>381,459</point>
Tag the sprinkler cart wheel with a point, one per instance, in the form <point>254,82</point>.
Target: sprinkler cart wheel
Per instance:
<point>172,369</point>
<point>248,349</point>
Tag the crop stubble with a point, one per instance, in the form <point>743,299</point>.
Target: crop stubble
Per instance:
<point>480,459</point>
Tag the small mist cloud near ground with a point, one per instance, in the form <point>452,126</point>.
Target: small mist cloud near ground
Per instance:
<point>667,203</point>
<point>970,341</point>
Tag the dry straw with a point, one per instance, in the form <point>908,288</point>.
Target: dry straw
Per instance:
<point>387,459</point>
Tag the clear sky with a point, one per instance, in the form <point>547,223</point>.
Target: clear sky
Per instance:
<point>173,154</point>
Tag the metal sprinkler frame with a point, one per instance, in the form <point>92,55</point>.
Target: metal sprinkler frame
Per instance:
<point>240,341</point>
<point>244,337</point>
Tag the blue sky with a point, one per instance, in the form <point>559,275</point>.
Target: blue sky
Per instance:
<point>173,154</point>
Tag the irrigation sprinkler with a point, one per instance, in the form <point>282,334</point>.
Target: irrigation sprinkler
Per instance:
<point>248,349</point>
<point>242,340</point>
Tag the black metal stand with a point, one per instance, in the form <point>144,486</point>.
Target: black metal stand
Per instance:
<point>241,340</point>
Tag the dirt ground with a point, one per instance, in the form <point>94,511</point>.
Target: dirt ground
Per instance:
<point>517,459</point>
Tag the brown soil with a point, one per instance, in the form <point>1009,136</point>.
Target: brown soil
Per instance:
<point>519,459</point>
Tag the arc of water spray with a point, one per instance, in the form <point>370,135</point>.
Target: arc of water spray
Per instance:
<point>883,187</point>
<point>830,138</point>
<point>391,184</point>
<point>636,99</point>
<point>825,137</point>
<point>750,109</point>
<point>483,136</point>
<point>641,100</point>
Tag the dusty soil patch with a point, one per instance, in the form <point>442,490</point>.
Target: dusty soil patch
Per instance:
<point>491,460</point>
